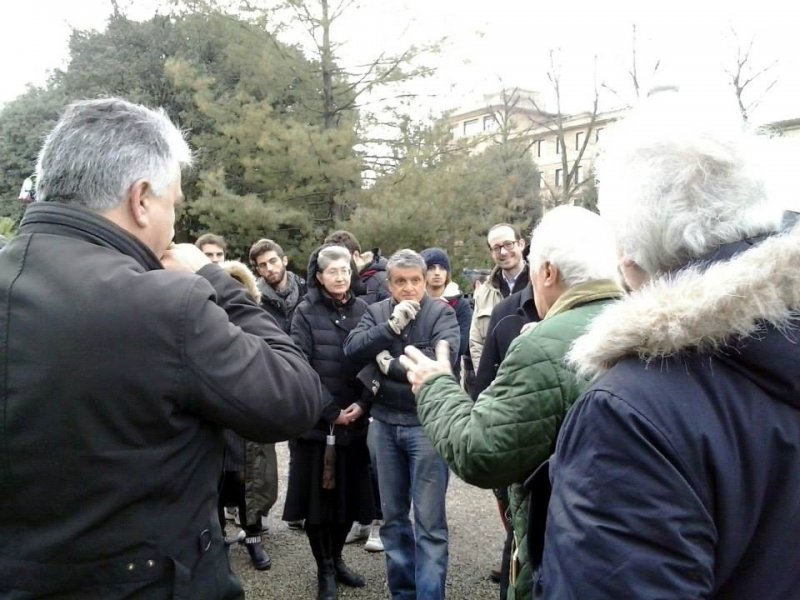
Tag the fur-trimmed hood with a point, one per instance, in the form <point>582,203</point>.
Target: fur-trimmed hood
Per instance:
<point>713,304</point>
<point>243,275</point>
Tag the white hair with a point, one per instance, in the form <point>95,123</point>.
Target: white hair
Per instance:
<point>100,148</point>
<point>329,254</point>
<point>677,182</point>
<point>578,242</point>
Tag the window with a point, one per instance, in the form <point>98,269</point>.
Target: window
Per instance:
<point>579,139</point>
<point>559,178</point>
<point>558,146</point>
<point>597,134</point>
<point>489,123</point>
<point>472,127</point>
<point>539,145</point>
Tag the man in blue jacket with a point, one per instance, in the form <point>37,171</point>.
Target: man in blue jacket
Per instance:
<point>407,464</point>
<point>677,475</point>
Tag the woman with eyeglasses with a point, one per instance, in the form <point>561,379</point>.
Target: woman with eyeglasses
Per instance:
<point>329,484</point>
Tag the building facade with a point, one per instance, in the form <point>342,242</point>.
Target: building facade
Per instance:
<point>562,146</point>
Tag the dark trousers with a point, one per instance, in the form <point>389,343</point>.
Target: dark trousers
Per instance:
<point>327,540</point>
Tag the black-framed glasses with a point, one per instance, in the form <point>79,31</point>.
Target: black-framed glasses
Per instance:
<point>507,246</point>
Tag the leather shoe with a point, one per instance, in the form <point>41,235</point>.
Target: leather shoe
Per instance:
<point>326,581</point>
<point>347,576</point>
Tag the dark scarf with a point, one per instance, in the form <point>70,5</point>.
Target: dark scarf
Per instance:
<point>285,299</point>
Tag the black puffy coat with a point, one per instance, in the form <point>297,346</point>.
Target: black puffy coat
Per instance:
<point>117,378</point>
<point>320,327</point>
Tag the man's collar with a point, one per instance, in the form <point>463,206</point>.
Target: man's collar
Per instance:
<point>522,266</point>
<point>82,223</point>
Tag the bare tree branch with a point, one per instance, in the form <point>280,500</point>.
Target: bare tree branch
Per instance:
<point>743,75</point>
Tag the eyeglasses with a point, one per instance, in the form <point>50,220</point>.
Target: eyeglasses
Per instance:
<point>344,272</point>
<point>507,246</point>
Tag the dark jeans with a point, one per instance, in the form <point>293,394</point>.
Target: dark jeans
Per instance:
<point>410,470</point>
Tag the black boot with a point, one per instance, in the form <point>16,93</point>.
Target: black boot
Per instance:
<point>326,580</point>
<point>346,575</point>
<point>259,557</point>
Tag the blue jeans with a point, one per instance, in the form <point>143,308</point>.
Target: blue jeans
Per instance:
<point>410,470</point>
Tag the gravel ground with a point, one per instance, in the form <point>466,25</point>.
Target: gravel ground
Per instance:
<point>476,542</point>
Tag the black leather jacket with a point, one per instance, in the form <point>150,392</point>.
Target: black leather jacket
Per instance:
<point>118,377</point>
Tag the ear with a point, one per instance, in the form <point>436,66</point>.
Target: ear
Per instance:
<point>139,202</point>
<point>319,278</point>
<point>285,261</point>
<point>551,274</point>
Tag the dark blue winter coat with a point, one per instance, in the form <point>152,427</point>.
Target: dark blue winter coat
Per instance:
<point>677,475</point>
<point>394,401</point>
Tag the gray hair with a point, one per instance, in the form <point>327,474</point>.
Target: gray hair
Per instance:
<point>677,182</point>
<point>331,253</point>
<point>405,259</point>
<point>100,148</point>
<point>578,242</point>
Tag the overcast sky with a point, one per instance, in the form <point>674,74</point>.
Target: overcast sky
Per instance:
<point>489,44</point>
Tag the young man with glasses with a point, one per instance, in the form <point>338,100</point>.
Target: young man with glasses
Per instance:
<point>509,275</point>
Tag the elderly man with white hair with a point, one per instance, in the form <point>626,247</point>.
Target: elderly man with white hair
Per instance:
<point>511,429</point>
<point>677,475</point>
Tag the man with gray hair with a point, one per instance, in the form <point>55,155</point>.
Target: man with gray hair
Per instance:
<point>677,475</point>
<point>123,358</point>
<point>510,430</point>
<point>409,469</point>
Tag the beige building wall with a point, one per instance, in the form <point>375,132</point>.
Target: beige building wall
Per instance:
<point>479,127</point>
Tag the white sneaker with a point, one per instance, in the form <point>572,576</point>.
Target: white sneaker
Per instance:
<point>357,533</point>
<point>374,543</point>
<point>232,514</point>
<point>236,538</point>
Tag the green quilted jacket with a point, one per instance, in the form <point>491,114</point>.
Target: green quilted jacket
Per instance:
<point>511,429</point>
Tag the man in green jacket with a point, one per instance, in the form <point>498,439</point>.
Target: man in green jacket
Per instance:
<point>511,429</point>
